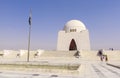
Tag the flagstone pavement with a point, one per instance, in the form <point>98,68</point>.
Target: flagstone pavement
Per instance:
<point>86,70</point>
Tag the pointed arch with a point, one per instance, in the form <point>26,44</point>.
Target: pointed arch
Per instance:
<point>72,45</point>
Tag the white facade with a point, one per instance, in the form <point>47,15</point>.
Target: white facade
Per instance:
<point>74,36</point>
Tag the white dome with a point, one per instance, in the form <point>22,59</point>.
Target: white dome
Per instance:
<point>74,26</point>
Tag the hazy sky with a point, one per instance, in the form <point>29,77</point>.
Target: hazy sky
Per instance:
<point>101,17</point>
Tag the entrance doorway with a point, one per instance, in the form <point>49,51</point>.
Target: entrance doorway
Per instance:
<point>72,45</point>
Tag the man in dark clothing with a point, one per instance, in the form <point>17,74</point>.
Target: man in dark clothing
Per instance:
<point>100,53</point>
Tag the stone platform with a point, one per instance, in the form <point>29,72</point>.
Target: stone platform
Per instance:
<point>86,70</point>
<point>89,64</point>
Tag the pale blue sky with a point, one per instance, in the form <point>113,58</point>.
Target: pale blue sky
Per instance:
<point>101,17</point>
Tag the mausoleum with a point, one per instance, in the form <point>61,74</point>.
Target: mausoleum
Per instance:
<point>74,36</point>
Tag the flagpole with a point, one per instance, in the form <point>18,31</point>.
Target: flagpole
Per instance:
<point>30,18</point>
<point>29,43</point>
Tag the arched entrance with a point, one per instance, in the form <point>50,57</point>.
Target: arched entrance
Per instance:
<point>72,45</point>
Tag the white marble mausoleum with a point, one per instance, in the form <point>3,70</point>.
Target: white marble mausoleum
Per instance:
<point>74,36</point>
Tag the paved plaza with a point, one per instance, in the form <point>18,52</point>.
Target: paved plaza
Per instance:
<point>88,64</point>
<point>86,70</point>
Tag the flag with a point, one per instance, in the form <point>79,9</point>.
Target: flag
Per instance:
<point>30,18</point>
